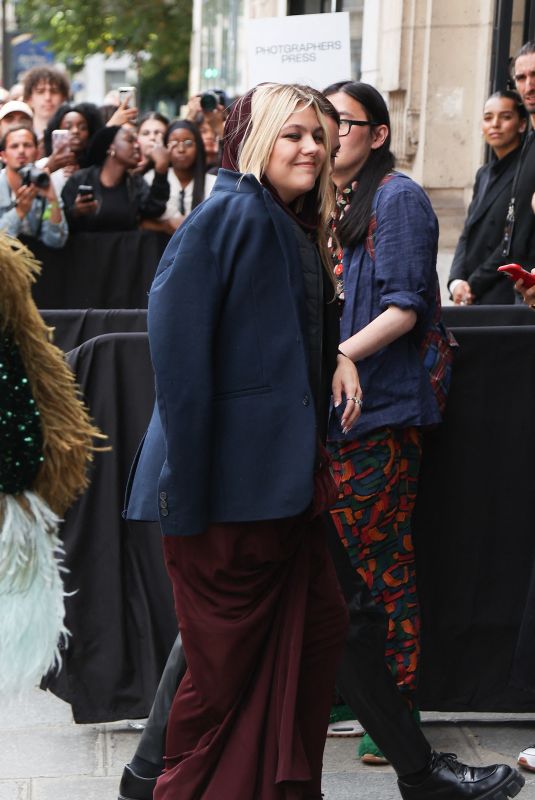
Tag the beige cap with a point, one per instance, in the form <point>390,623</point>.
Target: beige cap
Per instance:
<point>15,105</point>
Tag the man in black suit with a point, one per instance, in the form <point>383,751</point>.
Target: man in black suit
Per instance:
<point>504,122</point>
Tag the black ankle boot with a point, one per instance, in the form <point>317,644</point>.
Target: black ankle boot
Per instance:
<point>134,787</point>
<point>449,779</point>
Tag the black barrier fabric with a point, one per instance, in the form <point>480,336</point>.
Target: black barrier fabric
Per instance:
<point>487,316</point>
<point>475,525</point>
<point>74,327</point>
<point>121,616</point>
<point>474,533</point>
<point>98,270</point>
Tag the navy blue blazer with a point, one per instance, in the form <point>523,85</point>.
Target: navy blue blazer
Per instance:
<point>233,433</point>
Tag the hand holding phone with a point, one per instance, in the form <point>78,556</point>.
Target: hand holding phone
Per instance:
<point>86,192</point>
<point>60,139</point>
<point>85,200</point>
<point>517,273</point>
<point>127,96</point>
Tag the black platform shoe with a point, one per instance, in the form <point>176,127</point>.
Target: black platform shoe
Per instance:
<point>134,787</point>
<point>449,779</point>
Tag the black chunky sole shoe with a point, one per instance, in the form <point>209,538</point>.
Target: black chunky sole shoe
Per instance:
<point>450,779</point>
<point>134,787</point>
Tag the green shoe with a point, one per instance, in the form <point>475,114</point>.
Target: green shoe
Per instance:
<point>341,712</point>
<point>369,753</point>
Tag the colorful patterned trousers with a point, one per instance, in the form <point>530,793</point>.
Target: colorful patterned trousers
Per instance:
<point>378,479</point>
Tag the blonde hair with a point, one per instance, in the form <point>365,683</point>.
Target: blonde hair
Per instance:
<point>271,105</point>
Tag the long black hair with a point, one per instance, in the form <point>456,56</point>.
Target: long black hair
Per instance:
<point>354,225</point>
<point>88,111</point>
<point>199,166</point>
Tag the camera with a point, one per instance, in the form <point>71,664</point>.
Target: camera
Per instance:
<point>210,100</point>
<point>31,174</point>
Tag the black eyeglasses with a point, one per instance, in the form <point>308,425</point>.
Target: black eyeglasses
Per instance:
<point>347,124</point>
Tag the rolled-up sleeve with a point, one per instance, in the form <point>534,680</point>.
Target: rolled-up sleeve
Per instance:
<point>406,242</point>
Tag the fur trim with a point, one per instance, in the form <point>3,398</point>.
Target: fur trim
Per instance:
<point>68,433</point>
<point>32,607</point>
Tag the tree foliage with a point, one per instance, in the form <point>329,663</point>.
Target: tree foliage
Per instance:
<point>155,32</point>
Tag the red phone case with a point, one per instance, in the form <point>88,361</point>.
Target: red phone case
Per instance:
<point>517,273</point>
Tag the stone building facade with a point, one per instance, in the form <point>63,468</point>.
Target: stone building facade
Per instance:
<point>432,60</point>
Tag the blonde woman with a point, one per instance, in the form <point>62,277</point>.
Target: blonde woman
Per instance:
<point>243,342</point>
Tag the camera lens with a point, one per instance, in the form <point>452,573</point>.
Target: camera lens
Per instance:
<point>41,180</point>
<point>209,101</point>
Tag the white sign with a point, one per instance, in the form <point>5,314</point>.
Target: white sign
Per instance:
<point>313,49</point>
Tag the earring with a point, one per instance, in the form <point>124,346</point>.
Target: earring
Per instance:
<point>112,153</point>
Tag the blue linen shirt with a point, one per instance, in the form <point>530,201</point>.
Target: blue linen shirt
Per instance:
<point>53,235</point>
<point>396,387</point>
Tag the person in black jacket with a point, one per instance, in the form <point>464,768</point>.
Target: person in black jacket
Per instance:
<point>118,200</point>
<point>504,122</point>
<point>517,242</point>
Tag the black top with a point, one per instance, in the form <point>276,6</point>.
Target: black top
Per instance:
<point>322,326</point>
<point>121,207</point>
<point>483,232</point>
<point>522,249</point>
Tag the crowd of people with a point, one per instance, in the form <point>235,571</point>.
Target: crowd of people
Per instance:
<point>71,167</point>
<point>302,307</point>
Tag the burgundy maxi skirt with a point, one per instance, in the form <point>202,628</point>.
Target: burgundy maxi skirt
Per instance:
<point>263,624</point>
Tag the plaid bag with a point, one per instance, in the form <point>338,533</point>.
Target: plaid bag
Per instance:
<point>437,350</point>
<point>438,346</point>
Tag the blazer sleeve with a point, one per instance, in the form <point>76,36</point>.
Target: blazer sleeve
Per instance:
<point>459,269</point>
<point>406,242</point>
<point>183,315</point>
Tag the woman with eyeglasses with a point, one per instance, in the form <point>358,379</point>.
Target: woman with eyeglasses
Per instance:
<point>189,184</point>
<point>384,248</point>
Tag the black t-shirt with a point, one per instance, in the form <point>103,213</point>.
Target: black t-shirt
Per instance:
<point>115,212</point>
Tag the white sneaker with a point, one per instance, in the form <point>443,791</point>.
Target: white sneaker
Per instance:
<point>526,759</point>
<point>347,727</point>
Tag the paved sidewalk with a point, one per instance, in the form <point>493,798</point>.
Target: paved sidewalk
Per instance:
<point>44,756</point>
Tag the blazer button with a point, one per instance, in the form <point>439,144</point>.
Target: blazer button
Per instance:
<point>164,512</point>
<point>306,400</point>
<point>163,495</point>
<point>163,503</point>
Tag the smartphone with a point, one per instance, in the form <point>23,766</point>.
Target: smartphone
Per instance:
<point>86,191</point>
<point>127,93</point>
<point>516,273</point>
<point>59,138</point>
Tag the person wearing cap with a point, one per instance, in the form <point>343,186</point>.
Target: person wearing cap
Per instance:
<point>15,112</point>
<point>119,199</point>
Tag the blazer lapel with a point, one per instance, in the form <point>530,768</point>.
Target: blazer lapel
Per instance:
<point>488,194</point>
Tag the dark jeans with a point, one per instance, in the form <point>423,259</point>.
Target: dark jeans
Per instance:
<point>363,679</point>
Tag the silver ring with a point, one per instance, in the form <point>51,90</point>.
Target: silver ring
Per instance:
<point>357,401</point>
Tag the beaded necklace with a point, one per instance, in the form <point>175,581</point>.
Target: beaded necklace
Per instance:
<point>343,201</point>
